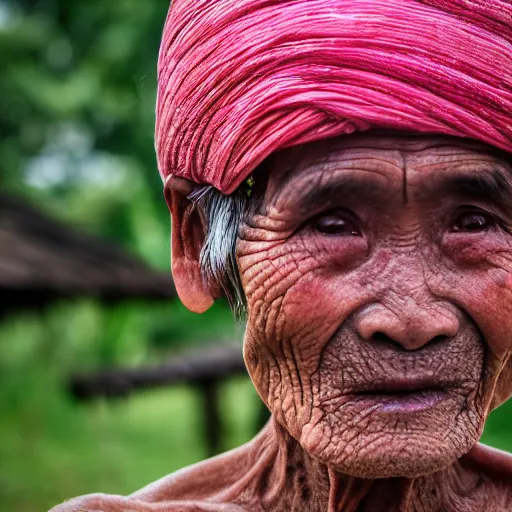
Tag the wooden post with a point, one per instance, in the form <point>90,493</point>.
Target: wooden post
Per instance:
<point>209,389</point>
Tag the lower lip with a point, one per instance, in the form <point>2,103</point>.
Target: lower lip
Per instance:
<point>403,402</point>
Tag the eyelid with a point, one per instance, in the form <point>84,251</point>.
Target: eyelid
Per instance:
<point>496,219</point>
<point>342,212</point>
<point>473,208</point>
<point>494,211</point>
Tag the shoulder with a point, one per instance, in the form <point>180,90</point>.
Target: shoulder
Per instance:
<point>493,469</point>
<point>112,503</point>
<point>192,489</point>
<point>490,462</point>
<point>213,485</point>
<point>204,480</point>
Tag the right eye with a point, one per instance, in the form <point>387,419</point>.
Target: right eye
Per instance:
<point>335,223</point>
<point>473,221</point>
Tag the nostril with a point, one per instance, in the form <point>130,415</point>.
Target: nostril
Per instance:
<point>380,336</point>
<point>438,339</point>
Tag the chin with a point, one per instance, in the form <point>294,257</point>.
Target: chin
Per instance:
<point>406,451</point>
<point>406,458</point>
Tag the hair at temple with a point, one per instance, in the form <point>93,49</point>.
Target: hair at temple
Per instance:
<point>223,215</point>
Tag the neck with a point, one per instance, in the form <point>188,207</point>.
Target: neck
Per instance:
<point>289,479</point>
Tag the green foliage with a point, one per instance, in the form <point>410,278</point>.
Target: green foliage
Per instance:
<point>77,94</point>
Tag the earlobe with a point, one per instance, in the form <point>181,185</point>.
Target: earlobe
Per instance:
<point>187,237</point>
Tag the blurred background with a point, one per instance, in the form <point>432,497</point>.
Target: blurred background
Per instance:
<point>106,382</point>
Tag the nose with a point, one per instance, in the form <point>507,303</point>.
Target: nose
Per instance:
<point>411,326</point>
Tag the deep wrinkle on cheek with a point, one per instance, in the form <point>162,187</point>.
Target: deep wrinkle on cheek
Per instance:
<point>478,278</point>
<point>492,309</point>
<point>474,249</point>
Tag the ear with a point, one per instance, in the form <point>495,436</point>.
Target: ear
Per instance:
<point>188,231</point>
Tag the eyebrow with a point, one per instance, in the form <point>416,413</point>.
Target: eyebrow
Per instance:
<point>328,192</point>
<point>491,185</point>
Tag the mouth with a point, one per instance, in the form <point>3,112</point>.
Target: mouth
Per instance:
<point>403,395</point>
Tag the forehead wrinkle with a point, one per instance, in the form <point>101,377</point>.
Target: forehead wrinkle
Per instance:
<point>331,150</point>
<point>393,140</point>
<point>469,164</point>
<point>463,145</point>
<point>324,169</point>
<point>329,187</point>
<point>428,170</point>
<point>298,158</point>
<point>403,155</point>
<point>458,152</point>
<point>485,181</point>
<point>290,167</point>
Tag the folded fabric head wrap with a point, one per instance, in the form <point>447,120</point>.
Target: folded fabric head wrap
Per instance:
<point>240,79</point>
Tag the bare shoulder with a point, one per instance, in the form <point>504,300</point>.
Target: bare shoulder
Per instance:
<point>210,486</point>
<point>493,469</point>
<point>112,503</point>
<point>492,463</point>
<point>195,488</point>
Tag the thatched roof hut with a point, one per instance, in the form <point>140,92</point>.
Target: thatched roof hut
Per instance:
<point>42,260</point>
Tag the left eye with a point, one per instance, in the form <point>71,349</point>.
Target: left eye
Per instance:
<point>335,223</point>
<point>473,222</point>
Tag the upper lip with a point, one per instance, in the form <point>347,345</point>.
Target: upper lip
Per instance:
<point>404,385</point>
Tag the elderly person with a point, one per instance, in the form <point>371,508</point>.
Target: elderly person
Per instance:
<point>341,170</point>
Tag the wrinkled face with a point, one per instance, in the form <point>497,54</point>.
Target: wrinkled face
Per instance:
<point>378,276</point>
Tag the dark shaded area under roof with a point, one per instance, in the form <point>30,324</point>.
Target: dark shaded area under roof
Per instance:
<point>211,363</point>
<point>42,260</point>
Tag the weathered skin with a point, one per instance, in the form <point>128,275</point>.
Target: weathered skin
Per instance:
<point>378,275</point>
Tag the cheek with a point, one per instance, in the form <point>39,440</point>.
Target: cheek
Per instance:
<point>489,301</point>
<point>481,282</point>
<point>301,291</point>
<point>477,250</point>
<point>297,299</point>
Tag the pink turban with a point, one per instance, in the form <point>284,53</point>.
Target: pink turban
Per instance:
<point>240,79</point>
